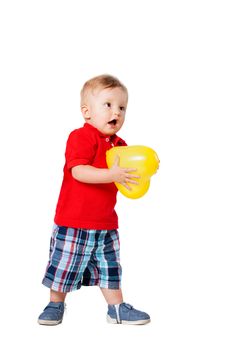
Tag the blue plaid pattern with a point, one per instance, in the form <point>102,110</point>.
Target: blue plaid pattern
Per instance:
<point>83,257</point>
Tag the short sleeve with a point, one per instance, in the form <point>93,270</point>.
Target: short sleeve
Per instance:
<point>80,149</point>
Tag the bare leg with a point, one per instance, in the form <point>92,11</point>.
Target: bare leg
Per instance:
<point>56,297</point>
<point>112,296</point>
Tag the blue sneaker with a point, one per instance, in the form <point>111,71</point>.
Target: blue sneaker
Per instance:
<point>126,314</point>
<point>52,314</point>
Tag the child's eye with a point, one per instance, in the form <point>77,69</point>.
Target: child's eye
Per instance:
<point>107,104</point>
<point>122,108</point>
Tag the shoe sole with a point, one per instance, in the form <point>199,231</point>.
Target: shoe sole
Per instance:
<point>49,322</point>
<point>138,322</point>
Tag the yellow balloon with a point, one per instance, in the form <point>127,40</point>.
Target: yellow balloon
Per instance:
<point>143,158</point>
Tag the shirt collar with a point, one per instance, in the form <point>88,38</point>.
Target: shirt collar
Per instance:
<point>113,138</point>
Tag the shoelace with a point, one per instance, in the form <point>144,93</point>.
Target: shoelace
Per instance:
<point>56,307</point>
<point>128,306</point>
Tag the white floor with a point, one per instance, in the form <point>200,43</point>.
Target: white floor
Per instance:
<point>176,242</point>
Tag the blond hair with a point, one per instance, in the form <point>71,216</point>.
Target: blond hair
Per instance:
<point>104,81</point>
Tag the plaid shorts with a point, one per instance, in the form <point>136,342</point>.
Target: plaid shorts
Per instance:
<point>83,257</point>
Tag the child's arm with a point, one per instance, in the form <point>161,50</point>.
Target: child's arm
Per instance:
<point>90,174</point>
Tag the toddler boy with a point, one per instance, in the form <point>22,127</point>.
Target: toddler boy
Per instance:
<point>84,247</point>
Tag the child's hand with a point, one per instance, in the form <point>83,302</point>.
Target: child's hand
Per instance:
<point>122,175</point>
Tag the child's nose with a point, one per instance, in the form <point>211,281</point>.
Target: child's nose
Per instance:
<point>116,112</point>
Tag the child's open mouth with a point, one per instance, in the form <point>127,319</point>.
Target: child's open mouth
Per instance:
<point>113,122</point>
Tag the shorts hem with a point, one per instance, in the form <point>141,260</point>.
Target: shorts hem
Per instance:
<point>102,284</point>
<point>58,288</point>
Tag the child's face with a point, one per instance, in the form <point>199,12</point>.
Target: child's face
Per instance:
<point>105,109</point>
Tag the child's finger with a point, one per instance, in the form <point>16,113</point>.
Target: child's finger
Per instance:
<point>133,182</point>
<point>127,186</point>
<point>129,170</point>
<point>117,160</point>
<point>134,176</point>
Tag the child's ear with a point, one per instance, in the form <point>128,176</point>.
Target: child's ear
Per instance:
<point>85,112</point>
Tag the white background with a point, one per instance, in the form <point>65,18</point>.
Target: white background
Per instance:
<point>176,58</point>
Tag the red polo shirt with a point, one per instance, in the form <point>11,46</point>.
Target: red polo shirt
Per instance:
<point>83,205</point>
